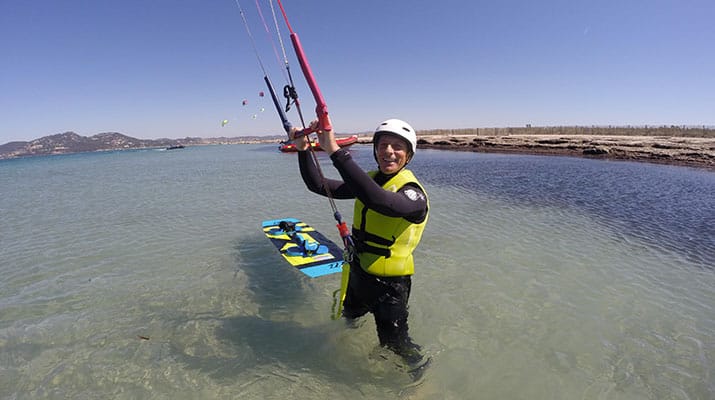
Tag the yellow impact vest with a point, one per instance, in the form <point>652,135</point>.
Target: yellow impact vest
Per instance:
<point>385,244</point>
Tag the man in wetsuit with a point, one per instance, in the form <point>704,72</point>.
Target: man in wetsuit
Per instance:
<point>390,214</point>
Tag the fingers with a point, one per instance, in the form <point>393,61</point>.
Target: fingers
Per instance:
<point>314,126</point>
<point>326,138</point>
<point>326,122</point>
<point>292,133</point>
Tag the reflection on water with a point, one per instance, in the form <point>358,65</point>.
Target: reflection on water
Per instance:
<point>146,275</point>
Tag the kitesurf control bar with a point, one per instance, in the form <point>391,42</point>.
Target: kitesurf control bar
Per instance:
<point>321,109</point>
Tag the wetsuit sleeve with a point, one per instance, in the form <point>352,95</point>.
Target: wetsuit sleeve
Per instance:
<point>409,202</point>
<point>311,177</point>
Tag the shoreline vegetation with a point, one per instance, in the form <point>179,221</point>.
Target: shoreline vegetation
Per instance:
<point>673,145</point>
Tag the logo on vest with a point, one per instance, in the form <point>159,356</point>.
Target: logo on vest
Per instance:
<point>413,195</point>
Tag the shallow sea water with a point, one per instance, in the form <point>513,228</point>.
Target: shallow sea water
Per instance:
<point>145,274</point>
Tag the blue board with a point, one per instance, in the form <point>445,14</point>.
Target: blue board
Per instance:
<point>304,247</point>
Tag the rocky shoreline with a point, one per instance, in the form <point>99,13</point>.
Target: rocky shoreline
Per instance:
<point>684,151</point>
<point>664,145</point>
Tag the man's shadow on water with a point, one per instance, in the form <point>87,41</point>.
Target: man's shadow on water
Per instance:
<point>256,341</point>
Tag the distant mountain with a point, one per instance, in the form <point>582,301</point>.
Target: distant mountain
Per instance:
<point>70,142</point>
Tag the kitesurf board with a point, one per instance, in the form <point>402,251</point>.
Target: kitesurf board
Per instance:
<point>327,257</point>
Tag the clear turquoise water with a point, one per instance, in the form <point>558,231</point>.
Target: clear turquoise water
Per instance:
<point>537,278</point>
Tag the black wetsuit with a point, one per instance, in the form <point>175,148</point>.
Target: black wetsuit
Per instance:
<point>385,297</point>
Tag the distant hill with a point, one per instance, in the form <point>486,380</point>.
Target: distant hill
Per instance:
<point>70,142</point>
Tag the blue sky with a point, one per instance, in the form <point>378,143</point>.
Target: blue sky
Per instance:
<point>156,68</point>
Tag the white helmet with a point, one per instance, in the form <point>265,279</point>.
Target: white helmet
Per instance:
<point>399,128</point>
